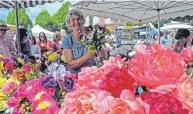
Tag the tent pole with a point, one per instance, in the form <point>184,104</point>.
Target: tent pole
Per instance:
<point>158,12</point>
<point>17,28</point>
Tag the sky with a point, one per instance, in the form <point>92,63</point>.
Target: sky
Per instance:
<point>34,11</point>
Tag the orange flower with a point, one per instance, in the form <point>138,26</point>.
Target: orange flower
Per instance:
<point>157,66</point>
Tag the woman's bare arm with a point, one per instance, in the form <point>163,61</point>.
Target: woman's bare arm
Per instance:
<point>77,62</point>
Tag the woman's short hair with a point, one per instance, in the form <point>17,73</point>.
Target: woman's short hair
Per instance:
<point>34,39</point>
<point>77,13</point>
<point>44,36</point>
<point>57,36</point>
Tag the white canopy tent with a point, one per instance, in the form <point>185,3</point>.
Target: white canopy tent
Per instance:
<point>37,29</point>
<point>140,11</point>
<point>176,26</point>
<point>21,4</point>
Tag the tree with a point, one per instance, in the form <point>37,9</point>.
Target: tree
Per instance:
<point>60,15</point>
<point>2,21</point>
<point>24,19</point>
<point>44,20</point>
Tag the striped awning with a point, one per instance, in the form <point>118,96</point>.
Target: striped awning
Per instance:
<point>23,3</point>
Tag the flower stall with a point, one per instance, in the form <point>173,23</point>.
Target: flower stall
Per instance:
<point>156,80</point>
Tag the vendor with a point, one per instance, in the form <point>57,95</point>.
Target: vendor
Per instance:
<point>77,54</point>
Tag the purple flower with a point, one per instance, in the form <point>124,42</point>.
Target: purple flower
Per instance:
<point>49,82</point>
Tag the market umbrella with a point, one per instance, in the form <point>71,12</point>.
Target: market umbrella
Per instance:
<point>21,4</point>
<point>140,11</point>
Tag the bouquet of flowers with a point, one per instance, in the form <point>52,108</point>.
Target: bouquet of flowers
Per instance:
<point>94,38</point>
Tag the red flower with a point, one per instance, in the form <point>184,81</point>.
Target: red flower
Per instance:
<point>163,103</point>
<point>9,66</point>
<point>116,81</point>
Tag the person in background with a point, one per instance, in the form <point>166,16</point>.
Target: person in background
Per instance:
<point>35,49</point>
<point>7,46</point>
<point>43,43</point>
<point>76,54</point>
<point>63,34</point>
<point>56,45</point>
<point>165,40</point>
<point>24,42</point>
<point>181,37</point>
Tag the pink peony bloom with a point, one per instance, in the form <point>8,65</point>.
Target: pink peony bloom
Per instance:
<point>90,76</point>
<point>116,81</point>
<point>9,87</point>
<point>83,101</point>
<point>155,67</point>
<point>163,103</point>
<point>184,93</point>
<point>112,63</point>
<point>187,54</point>
<point>126,104</point>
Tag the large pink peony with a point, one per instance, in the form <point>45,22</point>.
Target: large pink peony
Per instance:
<point>83,101</point>
<point>163,103</point>
<point>157,66</point>
<point>126,104</point>
<point>187,54</point>
<point>184,93</point>
<point>90,77</point>
<point>112,63</point>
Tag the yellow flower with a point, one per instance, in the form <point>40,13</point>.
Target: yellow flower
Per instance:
<point>1,65</point>
<point>21,61</point>
<point>2,81</point>
<point>52,57</point>
<point>13,79</point>
<point>3,101</point>
<point>43,105</point>
<point>1,56</point>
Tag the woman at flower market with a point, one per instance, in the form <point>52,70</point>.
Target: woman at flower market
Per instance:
<point>35,49</point>
<point>56,45</point>
<point>24,42</point>
<point>63,34</point>
<point>77,54</point>
<point>165,40</point>
<point>43,42</point>
<point>7,45</point>
<point>181,37</point>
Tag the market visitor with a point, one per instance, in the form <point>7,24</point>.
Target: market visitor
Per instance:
<point>56,39</point>
<point>77,54</point>
<point>24,42</point>
<point>182,36</point>
<point>165,40</point>
<point>43,43</point>
<point>35,49</point>
<point>7,46</point>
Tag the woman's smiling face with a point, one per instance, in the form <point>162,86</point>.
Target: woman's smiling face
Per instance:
<point>75,23</point>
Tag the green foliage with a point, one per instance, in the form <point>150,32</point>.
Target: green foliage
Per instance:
<point>44,20</point>
<point>60,15</point>
<point>90,20</point>
<point>24,19</point>
<point>2,21</point>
